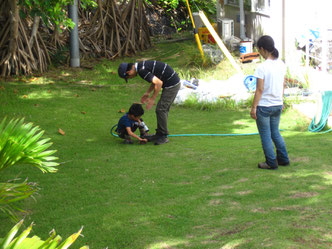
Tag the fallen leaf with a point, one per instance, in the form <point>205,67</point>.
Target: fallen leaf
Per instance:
<point>15,91</point>
<point>83,112</point>
<point>76,95</point>
<point>62,132</point>
<point>25,96</point>
<point>93,89</point>
<point>33,79</point>
<point>36,105</point>
<point>49,91</point>
<point>122,111</point>
<point>2,88</point>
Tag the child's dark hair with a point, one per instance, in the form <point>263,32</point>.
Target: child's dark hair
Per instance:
<point>267,43</point>
<point>136,110</point>
<point>130,65</point>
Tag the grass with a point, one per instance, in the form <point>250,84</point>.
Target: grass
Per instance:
<point>194,192</point>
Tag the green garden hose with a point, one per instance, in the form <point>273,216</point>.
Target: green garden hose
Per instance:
<point>327,107</point>
<point>195,135</point>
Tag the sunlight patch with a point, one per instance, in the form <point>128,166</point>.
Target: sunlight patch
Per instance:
<point>244,192</point>
<point>233,244</point>
<point>328,176</point>
<point>46,94</point>
<point>167,244</point>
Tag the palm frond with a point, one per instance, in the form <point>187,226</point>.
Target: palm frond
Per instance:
<point>22,143</point>
<point>22,241</point>
<point>11,192</point>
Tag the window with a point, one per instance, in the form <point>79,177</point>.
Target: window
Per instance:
<point>232,2</point>
<point>262,5</point>
<point>246,3</point>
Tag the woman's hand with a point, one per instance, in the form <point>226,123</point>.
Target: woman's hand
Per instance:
<point>253,112</point>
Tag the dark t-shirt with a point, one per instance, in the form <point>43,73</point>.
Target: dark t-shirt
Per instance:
<point>124,122</point>
<point>148,69</point>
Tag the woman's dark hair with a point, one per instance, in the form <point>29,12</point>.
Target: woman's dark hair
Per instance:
<point>136,110</point>
<point>267,43</point>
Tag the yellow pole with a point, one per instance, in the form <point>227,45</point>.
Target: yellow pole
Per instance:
<point>198,41</point>
<point>219,42</point>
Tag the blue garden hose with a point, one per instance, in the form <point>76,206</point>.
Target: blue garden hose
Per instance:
<point>195,135</point>
<point>327,107</point>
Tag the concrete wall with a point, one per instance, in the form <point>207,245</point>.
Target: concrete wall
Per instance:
<point>256,24</point>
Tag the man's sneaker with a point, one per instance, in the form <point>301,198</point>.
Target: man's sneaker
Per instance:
<point>161,140</point>
<point>127,141</point>
<point>264,165</point>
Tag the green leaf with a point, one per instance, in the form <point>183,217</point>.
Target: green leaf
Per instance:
<point>10,235</point>
<point>22,236</point>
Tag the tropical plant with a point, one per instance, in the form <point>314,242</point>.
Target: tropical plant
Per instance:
<point>22,241</point>
<point>21,143</point>
<point>11,192</point>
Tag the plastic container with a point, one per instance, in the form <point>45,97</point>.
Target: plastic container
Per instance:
<point>188,84</point>
<point>250,83</point>
<point>245,47</point>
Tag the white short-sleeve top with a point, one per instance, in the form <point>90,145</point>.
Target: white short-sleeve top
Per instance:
<point>273,73</point>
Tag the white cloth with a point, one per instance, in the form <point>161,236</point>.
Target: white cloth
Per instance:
<point>273,73</point>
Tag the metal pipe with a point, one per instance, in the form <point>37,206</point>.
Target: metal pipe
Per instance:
<point>73,37</point>
<point>198,41</point>
<point>242,22</point>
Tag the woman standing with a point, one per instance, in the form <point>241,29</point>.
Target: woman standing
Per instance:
<point>268,104</point>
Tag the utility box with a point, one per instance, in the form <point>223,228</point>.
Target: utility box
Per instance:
<point>205,36</point>
<point>225,28</point>
<point>198,21</point>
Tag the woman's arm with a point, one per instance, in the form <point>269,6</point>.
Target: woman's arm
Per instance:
<point>257,97</point>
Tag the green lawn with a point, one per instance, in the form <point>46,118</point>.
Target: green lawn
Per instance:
<point>194,192</point>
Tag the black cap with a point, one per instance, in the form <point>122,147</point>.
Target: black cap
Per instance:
<point>122,71</point>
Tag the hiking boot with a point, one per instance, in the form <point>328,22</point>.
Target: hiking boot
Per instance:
<point>283,164</point>
<point>264,165</point>
<point>161,140</point>
<point>127,141</point>
<point>152,138</point>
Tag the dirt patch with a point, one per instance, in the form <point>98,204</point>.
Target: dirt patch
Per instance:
<point>300,159</point>
<point>235,230</point>
<point>243,180</point>
<point>222,170</point>
<point>258,210</point>
<point>217,194</point>
<point>304,195</point>
<point>214,202</point>
<point>226,187</point>
<point>244,192</point>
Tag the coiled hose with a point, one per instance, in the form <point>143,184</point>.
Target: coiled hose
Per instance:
<point>327,107</point>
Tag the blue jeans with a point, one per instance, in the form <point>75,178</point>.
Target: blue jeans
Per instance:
<point>267,121</point>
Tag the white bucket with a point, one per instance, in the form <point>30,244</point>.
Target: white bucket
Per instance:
<point>245,47</point>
